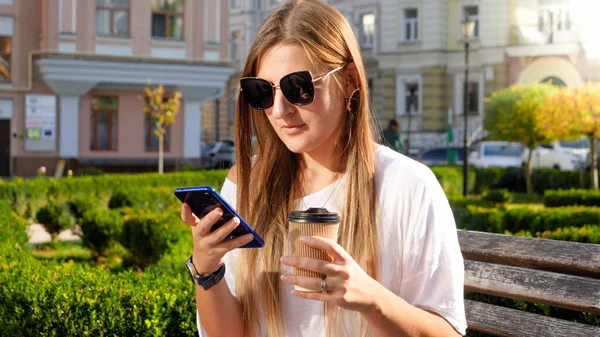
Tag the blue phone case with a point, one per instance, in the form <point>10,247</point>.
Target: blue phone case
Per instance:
<point>203,199</point>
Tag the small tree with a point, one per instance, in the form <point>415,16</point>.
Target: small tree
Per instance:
<point>574,112</point>
<point>161,109</point>
<point>514,114</point>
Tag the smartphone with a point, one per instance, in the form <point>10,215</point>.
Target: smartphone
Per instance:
<point>203,199</point>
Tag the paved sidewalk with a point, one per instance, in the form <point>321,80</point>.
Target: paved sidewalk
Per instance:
<point>38,235</point>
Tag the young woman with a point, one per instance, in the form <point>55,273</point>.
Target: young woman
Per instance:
<point>397,269</point>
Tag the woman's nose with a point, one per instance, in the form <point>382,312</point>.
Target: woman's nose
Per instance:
<point>281,106</point>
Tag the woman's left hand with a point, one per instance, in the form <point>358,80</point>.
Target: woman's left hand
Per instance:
<point>348,285</point>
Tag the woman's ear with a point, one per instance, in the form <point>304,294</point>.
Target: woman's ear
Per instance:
<point>353,82</point>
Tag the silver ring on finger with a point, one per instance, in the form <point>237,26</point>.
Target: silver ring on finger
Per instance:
<point>324,285</point>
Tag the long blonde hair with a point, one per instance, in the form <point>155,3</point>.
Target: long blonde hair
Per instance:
<point>268,187</point>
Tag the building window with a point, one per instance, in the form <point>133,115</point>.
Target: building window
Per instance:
<point>167,19</point>
<point>367,30</point>
<point>236,4</point>
<point>472,11</point>
<point>236,39</point>
<point>103,123</point>
<point>112,17</point>
<point>411,24</point>
<point>411,98</point>
<point>5,57</point>
<point>554,19</point>
<point>151,140</point>
<point>473,99</point>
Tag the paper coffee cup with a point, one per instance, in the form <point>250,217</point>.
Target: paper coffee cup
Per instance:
<point>312,222</point>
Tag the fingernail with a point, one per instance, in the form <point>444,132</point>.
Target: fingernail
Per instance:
<point>236,220</point>
<point>303,239</point>
<point>250,237</point>
<point>284,259</point>
<point>219,211</point>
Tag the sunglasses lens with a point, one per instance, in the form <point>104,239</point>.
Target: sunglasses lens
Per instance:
<point>258,93</point>
<point>298,88</point>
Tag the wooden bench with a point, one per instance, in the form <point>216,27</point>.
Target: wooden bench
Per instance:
<point>558,273</point>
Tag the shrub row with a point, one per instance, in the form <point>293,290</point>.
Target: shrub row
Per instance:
<point>42,298</point>
<point>571,197</point>
<point>27,196</point>
<point>584,234</point>
<point>499,220</point>
<point>12,227</point>
<point>514,180</point>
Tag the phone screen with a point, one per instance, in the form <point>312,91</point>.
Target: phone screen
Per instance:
<point>202,203</point>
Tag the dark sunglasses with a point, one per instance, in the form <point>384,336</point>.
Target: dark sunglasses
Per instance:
<point>297,87</point>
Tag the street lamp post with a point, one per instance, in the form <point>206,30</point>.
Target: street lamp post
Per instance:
<point>467,27</point>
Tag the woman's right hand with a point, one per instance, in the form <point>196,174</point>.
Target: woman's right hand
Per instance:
<point>209,247</point>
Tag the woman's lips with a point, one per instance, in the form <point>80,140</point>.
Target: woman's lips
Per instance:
<point>291,129</point>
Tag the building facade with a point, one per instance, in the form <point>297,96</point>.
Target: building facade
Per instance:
<point>72,72</point>
<point>415,55</point>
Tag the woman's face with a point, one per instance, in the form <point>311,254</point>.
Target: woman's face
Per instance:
<point>306,128</point>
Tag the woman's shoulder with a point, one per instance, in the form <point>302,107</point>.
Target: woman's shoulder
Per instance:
<point>393,168</point>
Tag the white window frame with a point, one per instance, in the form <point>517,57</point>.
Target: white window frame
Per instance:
<point>459,87</point>
<point>359,16</point>
<point>401,81</point>
<point>239,42</point>
<point>461,18</point>
<point>413,22</point>
<point>544,11</point>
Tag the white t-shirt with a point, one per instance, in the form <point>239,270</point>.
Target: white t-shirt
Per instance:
<point>421,260</point>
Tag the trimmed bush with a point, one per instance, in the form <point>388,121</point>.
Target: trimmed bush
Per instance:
<point>525,218</point>
<point>55,217</point>
<point>147,236</point>
<point>451,179</point>
<point>154,199</point>
<point>42,298</point>
<point>81,204</point>
<point>585,234</point>
<point>480,219</point>
<point>571,197</point>
<point>500,196</point>
<point>27,196</point>
<point>100,227</point>
<point>513,179</point>
<point>12,227</point>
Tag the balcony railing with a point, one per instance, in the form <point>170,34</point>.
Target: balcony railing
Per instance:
<point>523,35</point>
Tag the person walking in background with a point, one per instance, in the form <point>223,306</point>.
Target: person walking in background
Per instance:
<point>392,136</point>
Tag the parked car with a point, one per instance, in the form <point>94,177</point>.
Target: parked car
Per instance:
<point>565,155</point>
<point>218,155</point>
<point>496,154</point>
<point>439,156</point>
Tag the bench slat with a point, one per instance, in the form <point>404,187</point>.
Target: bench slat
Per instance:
<point>565,257</point>
<point>508,322</point>
<point>565,291</point>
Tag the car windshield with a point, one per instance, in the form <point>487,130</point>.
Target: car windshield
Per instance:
<point>505,150</point>
<point>582,143</point>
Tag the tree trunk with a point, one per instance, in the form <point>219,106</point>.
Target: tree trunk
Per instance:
<point>529,172</point>
<point>161,140</point>
<point>594,162</point>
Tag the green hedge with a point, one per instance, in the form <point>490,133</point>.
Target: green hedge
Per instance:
<point>42,298</point>
<point>12,227</point>
<point>27,196</point>
<point>513,179</point>
<point>148,236</point>
<point>155,199</point>
<point>571,197</point>
<point>55,217</point>
<point>451,179</point>
<point>474,215</point>
<point>100,228</point>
